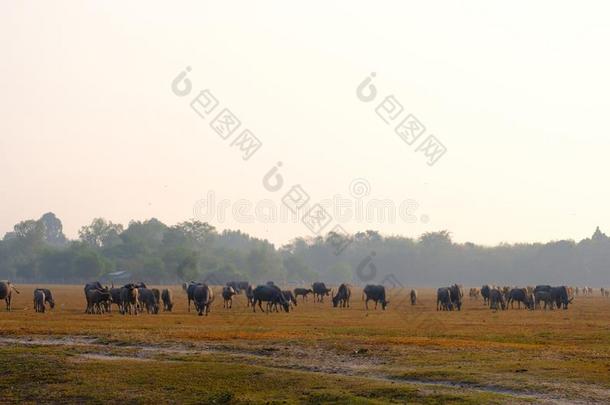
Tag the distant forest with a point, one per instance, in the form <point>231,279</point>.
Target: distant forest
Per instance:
<point>150,251</point>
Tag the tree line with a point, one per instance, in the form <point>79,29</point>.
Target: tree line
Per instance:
<point>38,251</point>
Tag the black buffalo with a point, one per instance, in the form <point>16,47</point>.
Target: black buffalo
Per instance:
<point>457,294</point>
<point>271,295</point>
<point>496,300</point>
<point>249,295</point>
<point>560,296</point>
<point>166,297</point>
<point>520,295</point>
<point>303,292</point>
<point>443,299</point>
<point>148,301</point>
<point>485,290</point>
<point>100,298</point>
<point>227,296</point>
<point>375,293</point>
<point>203,296</point>
<point>341,299</point>
<point>190,290</point>
<point>319,291</point>
<point>292,300</point>
<point>48,297</point>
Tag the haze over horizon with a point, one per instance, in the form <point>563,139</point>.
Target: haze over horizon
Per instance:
<point>91,127</point>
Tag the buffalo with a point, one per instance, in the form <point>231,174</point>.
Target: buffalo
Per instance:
<point>249,295</point>
<point>375,293</point>
<point>319,291</point>
<point>543,296</point>
<point>561,297</point>
<point>129,299</point>
<point>457,293</point>
<point>227,295</point>
<point>6,293</point>
<point>115,297</point>
<point>100,298</point>
<point>271,295</point>
<point>302,292</point>
<point>341,299</point>
<point>520,295</point>
<point>157,295</point>
<point>48,297</point>
<point>96,300</point>
<point>292,300</point>
<point>190,290</point>
<point>443,299</point>
<point>203,296</point>
<point>234,285</point>
<point>413,296</point>
<point>485,290</point>
<point>148,300</point>
<point>497,300</point>
<point>39,301</point>
<point>166,297</point>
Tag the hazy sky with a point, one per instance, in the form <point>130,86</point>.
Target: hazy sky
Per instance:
<point>518,94</point>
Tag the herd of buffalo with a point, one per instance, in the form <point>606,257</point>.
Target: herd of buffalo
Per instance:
<point>133,298</point>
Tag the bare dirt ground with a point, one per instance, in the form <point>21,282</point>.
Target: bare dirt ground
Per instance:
<point>315,354</point>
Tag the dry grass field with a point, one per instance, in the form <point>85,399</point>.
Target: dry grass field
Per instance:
<point>315,354</point>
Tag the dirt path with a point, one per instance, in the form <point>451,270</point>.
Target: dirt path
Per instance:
<point>290,358</point>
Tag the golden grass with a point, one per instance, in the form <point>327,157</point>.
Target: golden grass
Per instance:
<point>564,353</point>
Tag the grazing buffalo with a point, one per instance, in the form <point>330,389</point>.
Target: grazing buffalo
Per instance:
<point>96,300</point>
<point>100,298</point>
<point>319,291</point>
<point>443,299</point>
<point>341,299</point>
<point>271,295</point>
<point>249,296</point>
<point>129,299</point>
<point>497,300</point>
<point>303,292</point>
<point>520,295</point>
<point>190,290</point>
<point>543,296</point>
<point>203,296</point>
<point>227,295</point>
<point>485,290</point>
<point>148,301</point>
<point>39,301</point>
<point>292,300</point>
<point>6,293</point>
<point>166,297</point>
<point>561,297</point>
<point>413,295</point>
<point>375,293</point>
<point>48,297</point>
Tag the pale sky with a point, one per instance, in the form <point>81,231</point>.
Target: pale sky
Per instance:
<point>517,92</point>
